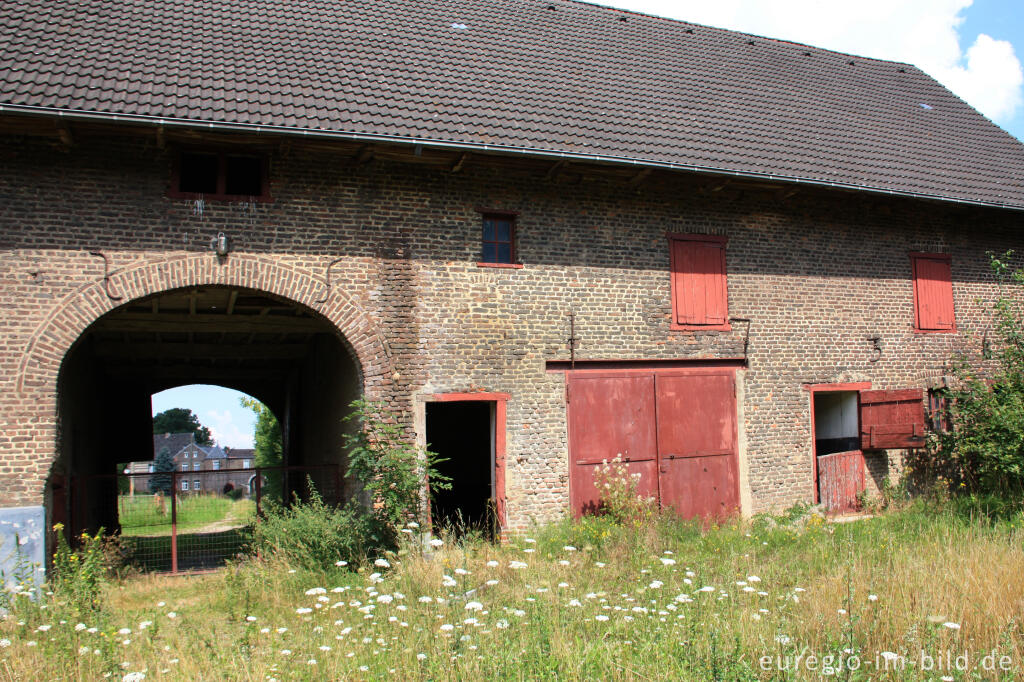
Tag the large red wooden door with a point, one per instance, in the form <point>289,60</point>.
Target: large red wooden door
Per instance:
<point>610,416</point>
<point>697,444</point>
<point>675,428</point>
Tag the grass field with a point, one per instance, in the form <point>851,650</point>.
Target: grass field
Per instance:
<point>589,600</point>
<point>149,515</point>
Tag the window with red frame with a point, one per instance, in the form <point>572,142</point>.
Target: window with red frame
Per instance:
<point>498,239</point>
<point>933,292</point>
<point>220,176</point>
<point>700,299</point>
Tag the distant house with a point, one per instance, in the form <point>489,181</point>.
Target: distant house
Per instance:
<point>193,464</point>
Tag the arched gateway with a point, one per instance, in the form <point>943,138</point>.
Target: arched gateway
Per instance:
<point>85,377</point>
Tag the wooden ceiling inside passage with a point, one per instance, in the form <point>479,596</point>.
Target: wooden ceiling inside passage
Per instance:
<point>205,335</point>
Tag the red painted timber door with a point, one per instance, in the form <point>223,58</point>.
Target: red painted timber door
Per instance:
<point>840,480</point>
<point>675,428</point>
<point>610,416</point>
<point>697,454</point>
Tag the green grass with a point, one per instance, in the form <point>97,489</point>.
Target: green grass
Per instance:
<point>150,515</point>
<point>622,603</point>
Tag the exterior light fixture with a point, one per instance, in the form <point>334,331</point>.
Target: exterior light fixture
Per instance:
<point>220,245</point>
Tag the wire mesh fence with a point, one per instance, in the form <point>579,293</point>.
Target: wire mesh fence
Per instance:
<point>178,521</point>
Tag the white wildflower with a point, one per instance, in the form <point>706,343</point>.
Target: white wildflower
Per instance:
<point>474,606</point>
<point>315,590</point>
<point>436,543</point>
<point>382,563</point>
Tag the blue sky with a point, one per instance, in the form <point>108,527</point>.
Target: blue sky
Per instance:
<point>1003,20</point>
<point>973,48</point>
<point>217,408</point>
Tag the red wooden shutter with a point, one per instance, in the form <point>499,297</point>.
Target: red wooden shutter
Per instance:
<point>933,292</point>
<point>699,293</point>
<point>891,419</point>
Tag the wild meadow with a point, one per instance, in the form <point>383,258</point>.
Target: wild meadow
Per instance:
<point>930,591</point>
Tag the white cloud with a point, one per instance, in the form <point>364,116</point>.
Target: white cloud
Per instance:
<point>988,75</point>
<point>225,431</point>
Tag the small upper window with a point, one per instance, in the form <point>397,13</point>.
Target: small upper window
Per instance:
<point>938,410</point>
<point>220,176</point>
<point>933,292</point>
<point>216,464</point>
<point>498,243</point>
<point>184,466</point>
<point>700,300</point>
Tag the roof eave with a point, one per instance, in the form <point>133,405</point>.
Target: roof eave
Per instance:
<point>319,133</point>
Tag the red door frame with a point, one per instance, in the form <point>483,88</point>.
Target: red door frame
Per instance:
<point>500,401</point>
<point>824,388</point>
<point>656,369</point>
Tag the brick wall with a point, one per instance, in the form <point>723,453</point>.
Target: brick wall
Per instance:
<point>817,273</point>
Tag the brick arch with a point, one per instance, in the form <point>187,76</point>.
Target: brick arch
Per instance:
<point>42,359</point>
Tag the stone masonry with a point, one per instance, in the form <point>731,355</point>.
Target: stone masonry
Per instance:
<point>817,273</point>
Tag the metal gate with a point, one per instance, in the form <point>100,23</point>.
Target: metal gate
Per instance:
<point>675,428</point>
<point>178,521</point>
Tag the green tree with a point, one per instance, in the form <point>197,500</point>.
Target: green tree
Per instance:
<point>181,420</point>
<point>267,438</point>
<point>163,465</point>
<point>268,449</point>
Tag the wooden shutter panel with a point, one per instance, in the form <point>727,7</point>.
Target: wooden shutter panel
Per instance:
<point>933,289</point>
<point>891,419</point>
<point>698,281</point>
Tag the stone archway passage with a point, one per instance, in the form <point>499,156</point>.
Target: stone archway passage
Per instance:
<point>265,346</point>
<point>28,406</point>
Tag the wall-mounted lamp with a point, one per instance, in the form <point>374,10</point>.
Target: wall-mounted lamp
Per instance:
<point>220,245</point>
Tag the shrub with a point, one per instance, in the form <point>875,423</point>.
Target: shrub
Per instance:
<point>313,535</point>
<point>392,470</point>
<point>986,445</point>
<point>619,493</point>
<point>78,575</point>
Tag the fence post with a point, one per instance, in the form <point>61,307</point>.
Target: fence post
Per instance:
<point>258,482</point>
<point>174,522</point>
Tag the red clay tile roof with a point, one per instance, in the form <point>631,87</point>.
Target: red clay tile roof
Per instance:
<point>549,77</point>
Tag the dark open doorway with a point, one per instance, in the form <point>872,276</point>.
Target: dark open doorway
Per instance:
<point>839,462</point>
<point>462,434</point>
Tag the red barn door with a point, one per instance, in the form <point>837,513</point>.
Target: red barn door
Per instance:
<point>675,428</point>
<point>610,416</point>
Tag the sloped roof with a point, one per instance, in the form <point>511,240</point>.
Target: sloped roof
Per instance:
<point>241,453</point>
<point>547,77</point>
<point>174,442</point>
<point>213,452</point>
